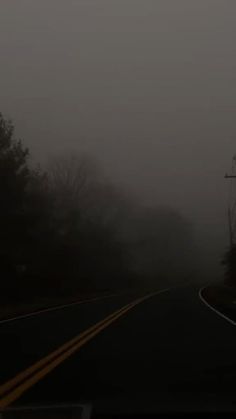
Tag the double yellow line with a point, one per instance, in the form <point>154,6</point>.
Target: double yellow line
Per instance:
<point>14,388</point>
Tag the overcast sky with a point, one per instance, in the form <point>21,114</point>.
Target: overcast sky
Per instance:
<point>149,86</point>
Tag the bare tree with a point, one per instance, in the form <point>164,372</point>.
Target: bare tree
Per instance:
<point>72,177</point>
<point>78,184</point>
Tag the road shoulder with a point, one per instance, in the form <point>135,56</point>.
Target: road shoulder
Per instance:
<point>221,299</point>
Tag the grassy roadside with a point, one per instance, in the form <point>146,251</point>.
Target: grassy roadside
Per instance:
<point>222,298</point>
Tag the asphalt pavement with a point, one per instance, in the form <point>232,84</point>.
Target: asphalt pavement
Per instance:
<point>165,351</point>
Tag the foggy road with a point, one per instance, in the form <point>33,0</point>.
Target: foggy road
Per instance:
<point>118,175</point>
<point>168,346</point>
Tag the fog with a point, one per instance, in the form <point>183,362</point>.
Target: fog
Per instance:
<point>147,86</point>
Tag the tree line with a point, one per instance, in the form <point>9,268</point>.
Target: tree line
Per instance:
<point>68,230</point>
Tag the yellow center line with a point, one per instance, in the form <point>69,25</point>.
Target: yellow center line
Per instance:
<point>29,371</point>
<point>26,379</point>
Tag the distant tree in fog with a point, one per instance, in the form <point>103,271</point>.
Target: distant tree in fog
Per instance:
<point>72,177</point>
<point>229,261</point>
<point>162,244</point>
<point>68,229</point>
<point>86,207</point>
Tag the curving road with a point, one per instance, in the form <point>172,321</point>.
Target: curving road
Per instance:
<point>167,351</point>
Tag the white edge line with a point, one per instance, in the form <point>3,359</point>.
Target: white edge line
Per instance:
<point>46,310</point>
<point>213,309</point>
<point>86,409</point>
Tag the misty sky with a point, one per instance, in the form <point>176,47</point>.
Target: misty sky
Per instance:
<point>149,86</point>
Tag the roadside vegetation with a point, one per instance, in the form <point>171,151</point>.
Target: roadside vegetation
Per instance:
<point>229,261</point>
<point>67,232</point>
<point>221,295</point>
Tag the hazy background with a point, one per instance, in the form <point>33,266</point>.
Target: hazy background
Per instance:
<point>148,86</point>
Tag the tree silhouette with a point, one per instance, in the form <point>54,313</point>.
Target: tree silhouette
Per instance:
<point>14,177</point>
